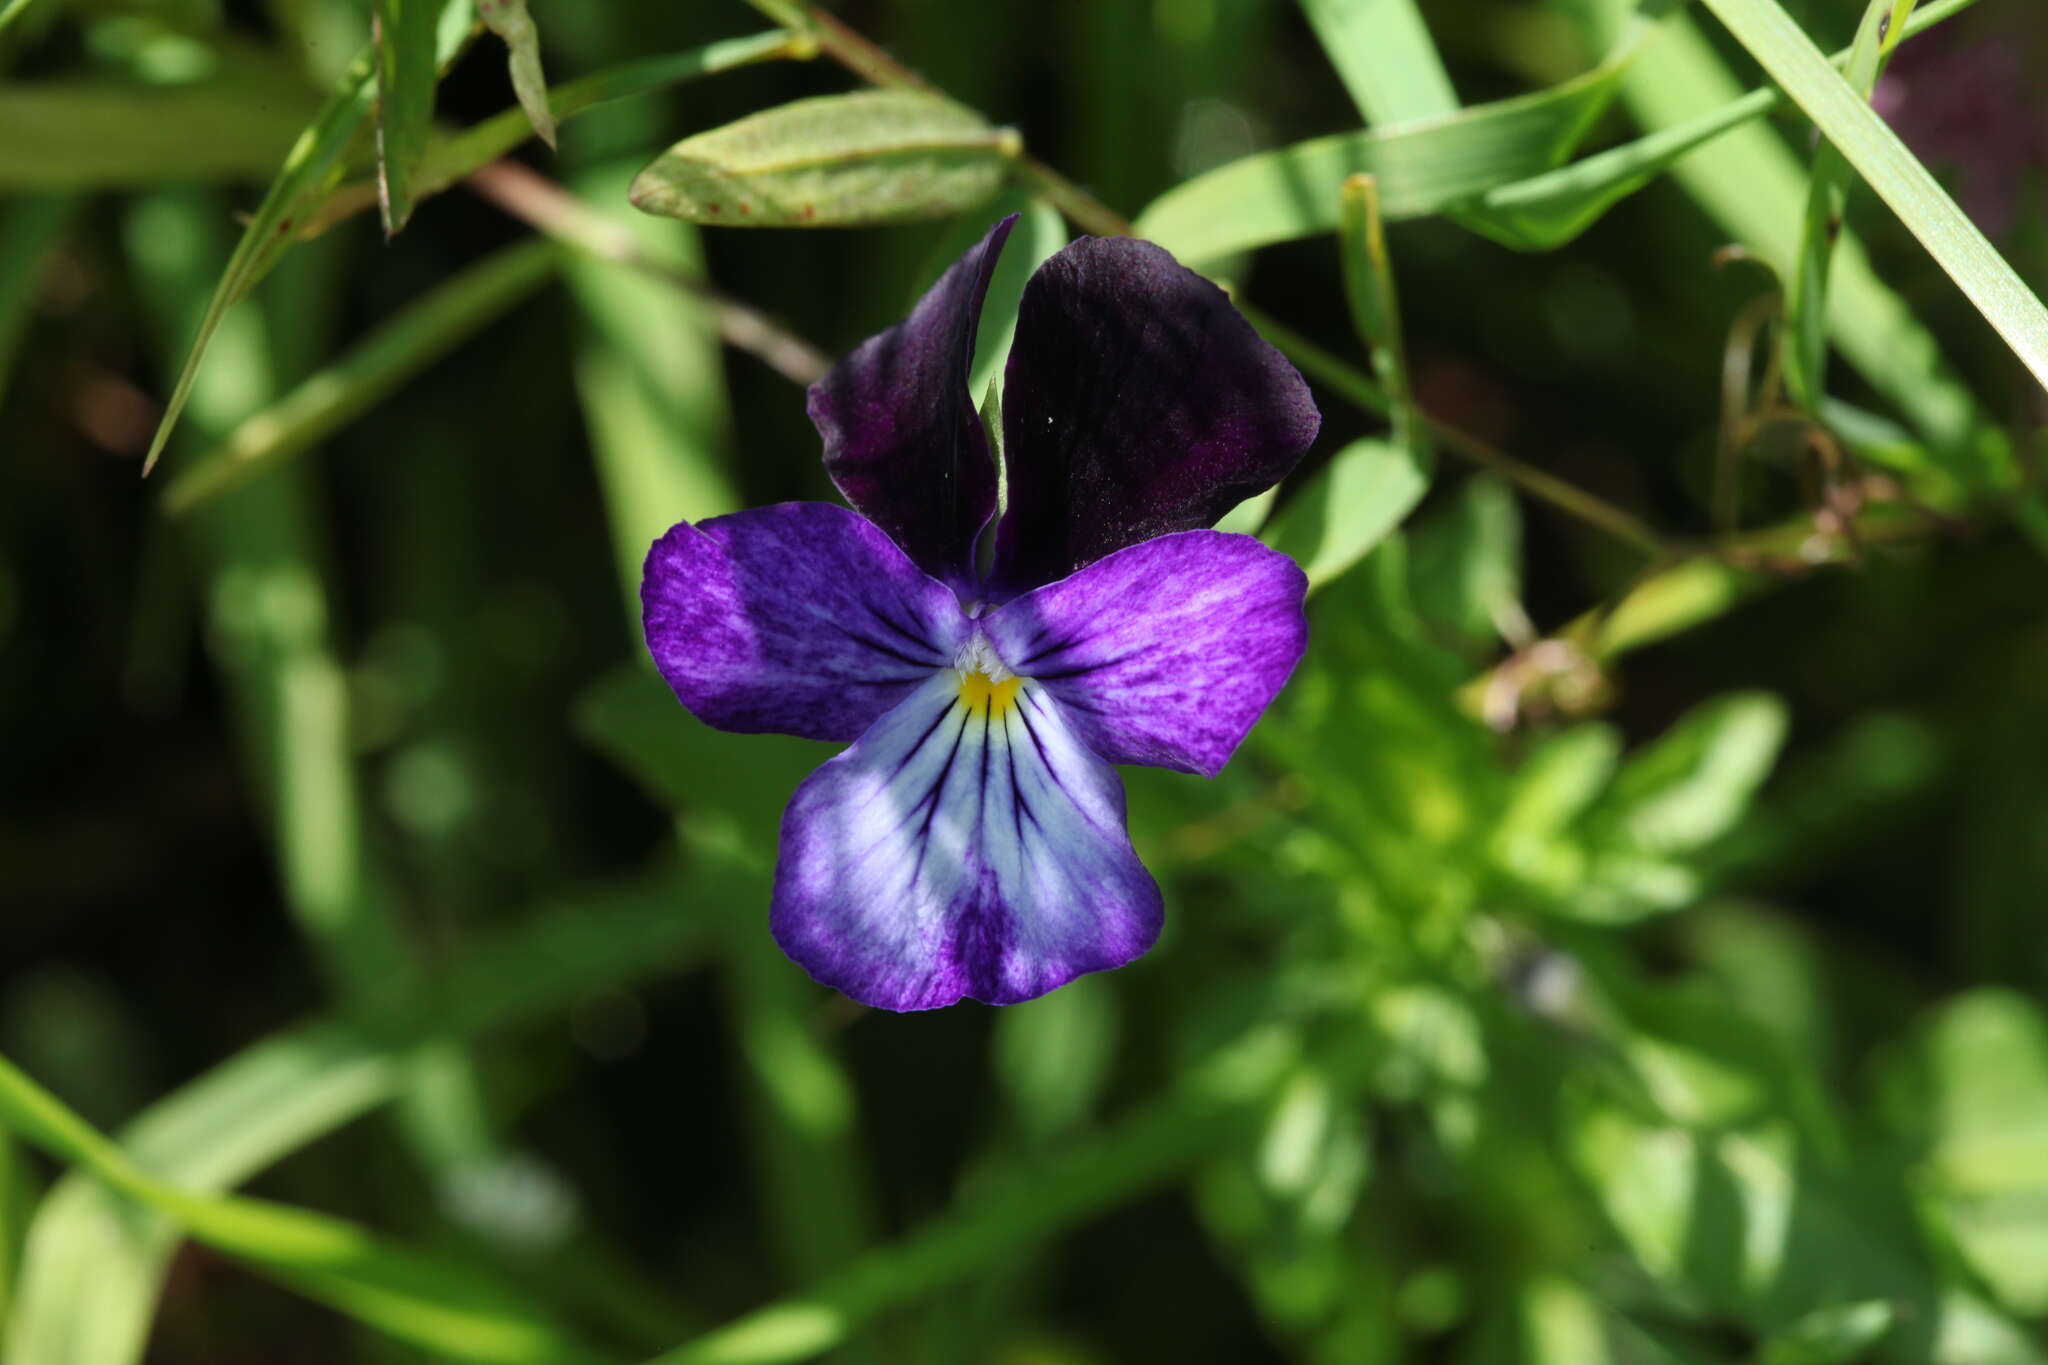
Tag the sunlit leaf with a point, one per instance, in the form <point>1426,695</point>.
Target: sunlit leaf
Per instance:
<point>881,156</point>
<point>1347,507</point>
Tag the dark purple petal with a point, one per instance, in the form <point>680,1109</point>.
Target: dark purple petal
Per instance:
<point>902,437</point>
<point>967,846</point>
<point>1164,653</point>
<point>1137,402</point>
<point>801,619</point>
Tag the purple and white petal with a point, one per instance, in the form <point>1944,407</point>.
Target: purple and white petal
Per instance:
<point>903,439</point>
<point>1164,653</point>
<point>1137,402</point>
<point>966,847</point>
<point>800,619</point>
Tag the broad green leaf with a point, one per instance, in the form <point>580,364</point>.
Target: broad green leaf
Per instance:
<point>1347,507</point>
<point>312,156</point>
<point>510,21</point>
<point>1692,785</point>
<point>1422,167</point>
<point>1869,144</point>
<point>877,156</point>
<point>1830,1336</point>
<point>1384,56</point>
<point>400,348</point>
<point>441,1304</point>
<point>78,135</point>
<point>405,99</point>
<point>1468,561</point>
<point>1976,1094</point>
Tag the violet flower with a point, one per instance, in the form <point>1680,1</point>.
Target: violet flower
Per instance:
<point>971,842</point>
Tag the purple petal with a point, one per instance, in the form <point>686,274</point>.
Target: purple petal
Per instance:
<point>967,846</point>
<point>902,437</point>
<point>1165,653</point>
<point>802,619</point>
<point>1137,402</point>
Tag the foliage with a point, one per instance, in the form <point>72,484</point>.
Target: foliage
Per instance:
<point>1620,944</point>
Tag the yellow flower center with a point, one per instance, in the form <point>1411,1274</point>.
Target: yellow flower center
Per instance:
<point>980,692</point>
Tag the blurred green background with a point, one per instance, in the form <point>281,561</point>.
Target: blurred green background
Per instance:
<point>1612,947</point>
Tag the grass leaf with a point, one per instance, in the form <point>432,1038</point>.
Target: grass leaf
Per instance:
<point>398,349</point>
<point>405,99</point>
<point>510,21</point>
<point>1874,150</point>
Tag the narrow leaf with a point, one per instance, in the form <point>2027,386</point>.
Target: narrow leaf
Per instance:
<point>433,325</point>
<point>99,135</point>
<point>405,100</point>
<point>510,21</point>
<point>881,156</point>
<point>1806,331</point>
<point>315,153</point>
<point>1384,56</point>
<point>1423,167</point>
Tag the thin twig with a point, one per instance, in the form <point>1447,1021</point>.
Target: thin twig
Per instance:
<point>540,202</point>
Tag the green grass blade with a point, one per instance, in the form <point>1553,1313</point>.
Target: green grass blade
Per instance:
<point>94,1261</point>
<point>1126,1161</point>
<point>78,135</point>
<point>1383,54</point>
<point>416,1296</point>
<point>1827,193</point>
<point>315,153</point>
<point>651,377</point>
<point>398,349</point>
<point>1876,153</point>
<point>405,100</point>
<point>1548,210</point>
<point>1750,184</point>
<point>449,160</point>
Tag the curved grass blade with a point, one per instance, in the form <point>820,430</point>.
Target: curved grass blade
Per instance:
<point>443,1305</point>
<point>1876,153</point>
<point>1422,167</point>
<point>315,153</point>
<point>94,1261</point>
<point>871,157</point>
<point>451,313</point>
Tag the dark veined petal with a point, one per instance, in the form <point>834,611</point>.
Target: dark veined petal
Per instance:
<point>1163,653</point>
<point>801,619</point>
<point>902,437</point>
<point>967,846</point>
<point>1137,402</point>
